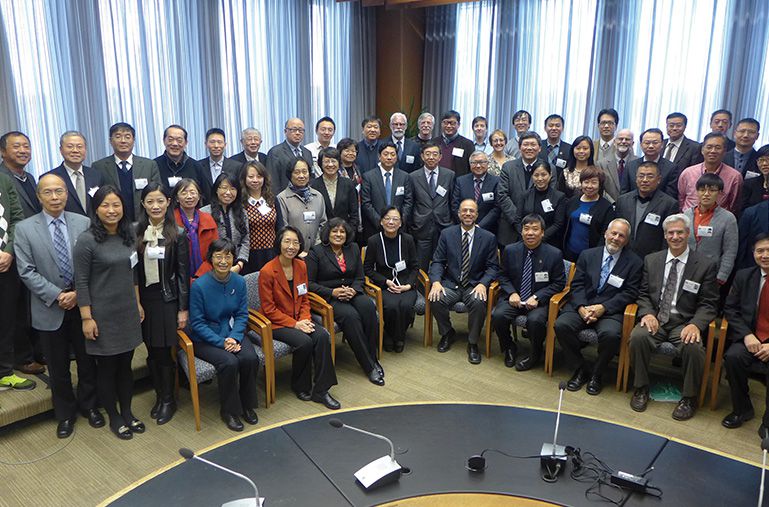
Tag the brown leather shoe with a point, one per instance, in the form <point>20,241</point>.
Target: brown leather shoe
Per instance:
<point>33,368</point>
<point>685,409</point>
<point>640,399</point>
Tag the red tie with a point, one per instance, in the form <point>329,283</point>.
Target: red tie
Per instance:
<point>620,167</point>
<point>762,320</point>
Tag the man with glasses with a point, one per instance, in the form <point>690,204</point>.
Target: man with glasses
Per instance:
<point>455,149</point>
<point>82,181</point>
<point>744,157</point>
<point>409,152</point>
<point>368,147</point>
<point>713,150</point>
<point>251,140</point>
<point>282,157</point>
<point>521,125</point>
<point>608,119</point>
<point>651,144</point>
<point>678,148</point>
<point>481,187</point>
<point>615,167</point>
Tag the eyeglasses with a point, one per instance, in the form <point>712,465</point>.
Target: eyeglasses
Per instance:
<point>58,192</point>
<point>189,193</point>
<point>394,220</point>
<point>222,257</point>
<point>296,130</point>
<point>607,123</point>
<point>644,177</point>
<point>479,162</point>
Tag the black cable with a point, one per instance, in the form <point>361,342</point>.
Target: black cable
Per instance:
<point>503,453</point>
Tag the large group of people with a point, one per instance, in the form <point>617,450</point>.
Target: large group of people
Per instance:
<point>98,260</point>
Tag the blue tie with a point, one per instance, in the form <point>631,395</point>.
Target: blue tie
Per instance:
<point>388,189</point>
<point>525,291</point>
<point>605,270</point>
<point>62,253</point>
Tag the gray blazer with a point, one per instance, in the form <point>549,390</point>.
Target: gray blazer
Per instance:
<point>510,190</point>
<point>611,187</point>
<point>242,242</point>
<point>292,209</point>
<point>429,213</point>
<point>142,168</point>
<point>36,262</point>
<point>722,246</point>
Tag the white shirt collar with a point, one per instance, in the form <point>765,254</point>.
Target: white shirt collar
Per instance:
<point>681,258</point>
<point>72,171</point>
<point>130,160</point>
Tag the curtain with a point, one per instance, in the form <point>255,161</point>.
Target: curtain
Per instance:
<point>440,62</point>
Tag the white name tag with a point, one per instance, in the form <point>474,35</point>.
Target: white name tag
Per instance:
<point>692,287</point>
<point>547,206</point>
<point>309,216</point>
<point>560,163</point>
<point>585,218</point>
<point>173,180</point>
<point>156,252</point>
<point>400,191</point>
<point>134,259</point>
<point>92,191</point>
<point>440,191</point>
<point>400,266</point>
<point>301,289</point>
<point>488,196</point>
<point>458,152</point>
<point>409,159</point>
<point>140,183</point>
<point>541,276</point>
<point>264,209</point>
<point>705,231</point>
<point>652,219</point>
<point>357,188</point>
<point>615,281</point>
<point>751,174</point>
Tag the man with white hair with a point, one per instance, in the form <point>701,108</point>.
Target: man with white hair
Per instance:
<point>409,153</point>
<point>251,140</point>
<point>425,125</point>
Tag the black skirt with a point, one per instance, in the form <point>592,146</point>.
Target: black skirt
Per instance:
<point>257,259</point>
<point>160,318</point>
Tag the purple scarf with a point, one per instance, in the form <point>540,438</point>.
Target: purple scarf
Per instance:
<point>192,234</point>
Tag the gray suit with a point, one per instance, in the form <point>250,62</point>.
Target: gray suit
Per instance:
<point>510,190</point>
<point>689,153</point>
<point>611,187</point>
<point>430,213</point>
<point>142,168</point>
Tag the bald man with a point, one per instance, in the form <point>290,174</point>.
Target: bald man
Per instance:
<point>283,156</point>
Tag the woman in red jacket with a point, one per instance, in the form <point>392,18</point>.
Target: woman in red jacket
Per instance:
<point>200,226</point>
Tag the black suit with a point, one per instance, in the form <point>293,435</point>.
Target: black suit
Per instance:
<point>374,200</point>
<point>345,203</point>
<point>547,279</point>
<point>488,212</point>
<point>281,160</point>
<point>753,192</point>
<point>188,168</point>
<point>513,185</point>
<point>368,155</point>
<point>534,201</point>
<point>564,150</point>
<point>431,213</point>
<point>689,153</point>
<point>750,165</point>
<point>753,221</point>
<point>240,158</point>
<point>229,166</point>
<point>647,236</point>
<point>410,158</point>
<point>92,179</point>
<point>668,174</point>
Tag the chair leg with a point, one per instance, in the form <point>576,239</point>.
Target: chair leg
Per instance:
<point>195,401</point>
<point>715,384</point>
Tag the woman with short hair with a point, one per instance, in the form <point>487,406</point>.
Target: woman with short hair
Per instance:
<point>586,215</point>
<point>301,206</point>
<point>199,226</point>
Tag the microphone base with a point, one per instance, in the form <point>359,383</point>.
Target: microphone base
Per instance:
<point>553,461</point>
<point>245,502</point>
<point>379,472</point>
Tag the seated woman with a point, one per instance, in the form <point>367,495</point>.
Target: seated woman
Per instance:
<point>335,270</point>
<point>580,158</point>
<point>218,317</point>
<point>283,288</point>
<point>391,264</point>
<point>543,200</point>
<point>230,217</point>
<point>199,225</point>
<point>263,214</point>
<point>587,214</point>
<point>302,207</point>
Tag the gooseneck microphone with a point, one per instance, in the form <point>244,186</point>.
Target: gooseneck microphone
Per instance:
<point>765,448</point>
<point>379,472</point>
<point>336,423</point>
<point>241,502</point>
<point>553,456</point>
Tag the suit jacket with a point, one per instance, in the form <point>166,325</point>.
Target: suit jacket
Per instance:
<point>648,237</point>
<point>346,201</point>
<point>143,168</point>
<point>753,221</point>
<point>447,260</point>
<point>752,192</point>
<point>603,212</point>
<point>698,309</point>
<point>36,262</point>
<point>30,205</point>
<point>411,158</point>
<point>722,246</point>
<point>689,153</point>
<point>12,212</point>
<point>325,274</point>
<point>429,213</point>
<point>511,189</point>
<point>240,158</point>
<point>282,305</point>
<point>584,286</point>
<point>564,149</point>
<point>459,164</point>
<point>488,212</point>
<point>368,158</point>
<point>280,160</point>
<point>531,202</point>
<point>379,269</point>
<point>374,201</point>
<point>93,179</point>
<point>229,166</point>
<point>751,165</point>
<point>611,186</point>
<point>544,259</point>
<point>741,309</point>
<point>668,172</point>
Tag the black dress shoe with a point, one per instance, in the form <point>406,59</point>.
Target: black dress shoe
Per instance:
<point>375,377</point>
<point>473,356</point>
<point>510,358</point>
<point>136,426</point>
<point>595,386</point>
<point>327,400</point>
<point>685,409</point>
<point>95,419</point>
<point>388,346</point>
<point>379,367</point>
<point>445,344</point>
<point>123,432</point>
<point>249,415</point>
<point>65,428</point>
<point>762,431</point>
<point>304,395</point>
<point>232,422</point>
<point>577,380</point>
<point>526,363</point>
<point>640,399</point>
<point>735,419</point>
<point>399,346</point>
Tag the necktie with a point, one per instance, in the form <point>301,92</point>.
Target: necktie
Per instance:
<point>399,149</point>
<point>605,270</point>
<point>464,273</point>
<point>124,166</point>
<point>477,190</point>
<point>80,187</point>
<point>620,167</point>
<point>669,151</point>
<point>605,146</point>
<point>762,317</point>
<point>297,153</point>
<point>432,184</point>
<point>667,297</point>
<point>62,253</point>
<point>552,153</point>
<point>3,228</point>
<point>388,189</point>
<point>525,291</point>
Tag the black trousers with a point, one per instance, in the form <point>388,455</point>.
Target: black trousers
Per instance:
<point>504,315</point>
<point>359,323</point>
<point>426,246</point>
<point>310,351</point>
<point>114,383</point>
<point>567,327</point>
<point>26,345</point>
<point>737,361</point>
<point>9,298</point>
<point>235,375</point>
<point>56,346</point>
<point>398,310</point>
<point>476,311</point>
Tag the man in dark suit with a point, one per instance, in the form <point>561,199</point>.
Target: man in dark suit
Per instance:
<point>174,163</point>
<point>607,279</point>
<point>282,157</point>
<point>16,153</point>
<point>645,208</point>
<point>409,152</point>
<point>50,280</point>
<point>368,147</point>
<point>129,173</point>
<point>216,163</point>
<point>383,187</point>
<point>464,265</point>
<point>481,187</point>
<point>678,148</point>
<point>251,141</point>
<point>455,149</point>
<point>743,157</point>
<point>747,310</point>
<point>82,181</point>
<point>678,299</point>
<point>531,272</point>
<point>651,144</point>
<point>754,221</point>
<point>431,212</point>
<point>721,122</point>
<point>555,150</point>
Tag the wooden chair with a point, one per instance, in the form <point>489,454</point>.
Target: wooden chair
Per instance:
<point>718,362</point>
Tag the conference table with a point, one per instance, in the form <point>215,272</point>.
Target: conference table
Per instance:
<point>311,463</point>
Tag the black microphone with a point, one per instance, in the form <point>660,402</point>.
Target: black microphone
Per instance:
<point>241,502</point>
<point>379,472</point>
<point>553,456</point>
<point>336,423</point>
<point>764,448</point>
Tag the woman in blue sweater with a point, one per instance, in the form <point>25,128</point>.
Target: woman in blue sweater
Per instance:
<point>218,317</point>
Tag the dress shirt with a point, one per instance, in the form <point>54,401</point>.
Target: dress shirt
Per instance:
<point>729,198</point>
<point>680,271</point>
<point>215,167</point>
<point>129,160</point>
<point>314,149</point>
<point>485,147</point>
<point>469,242</point>
<point>330,189</point>
<point>49,220</point>
<point>615,257</point>
<point>428,172</point>
<point>676,145</point>
<point>761,283</point>
<point>605,145</point>
<point>72,174</point>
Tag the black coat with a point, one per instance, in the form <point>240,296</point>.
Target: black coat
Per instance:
<point>346,201</point>
<point>325,275</point>
<point>602,212</point>
<point>173,271</point>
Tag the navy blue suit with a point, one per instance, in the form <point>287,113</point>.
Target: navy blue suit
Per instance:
<point>410,158</point>
<point>753,221</point>
<point>488,212</point>
<point>92,179</point>
<point>368,158</point>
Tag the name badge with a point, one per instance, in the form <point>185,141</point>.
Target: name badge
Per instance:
<point>440,191</point>
<point>309,216</point>
<point>301,289</point>
<point>134,259</point>
<point>692,287</point>
<point>541,276</point>
<point>400,191</point>
<point>585,218</point>
<point>140,183</point>
<point>547,206</point>
<point>357,188</point>
<point>400,266</point>
<point>488,196</point>
<point>92,191</point>
<point>615,281</point>
<point>705,231</point>
<point>652,219</point>
<point>264,209</point>
<point>409,159</point>
<point>457,152</point>
<point>173,180</point>
<point>560,163</point>
<point>751,174</point>
<point>156,252</point>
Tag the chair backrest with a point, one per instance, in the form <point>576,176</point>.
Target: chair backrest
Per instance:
<point>252,286</point>
<point>569,268</point>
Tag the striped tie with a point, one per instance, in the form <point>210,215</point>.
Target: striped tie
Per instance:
<point>663,315</point>
<point>62,253</point>
<point>3,228</point>
<point>525,291</point>
<point>464,274</point>
<point>605,271</point>
<point>477,190</point>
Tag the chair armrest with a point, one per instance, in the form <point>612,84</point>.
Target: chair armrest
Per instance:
<point>184,341</point>
<point>559,300</point>
<point>260,325</point>
<point>372,290</point>
<point>424,280</point>
<point>321,307</point>
<point>721,337</point>
<point>630,311</point>
<point>493,292</point>
<point>189,351</point>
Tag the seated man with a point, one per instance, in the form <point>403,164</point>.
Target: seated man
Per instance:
<point>463,266</point>
<point>607,279</point>
<point>678,300</point>
<point>747,310</point>
<point>530,274</point>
